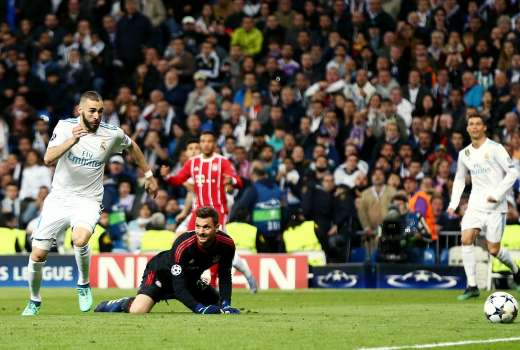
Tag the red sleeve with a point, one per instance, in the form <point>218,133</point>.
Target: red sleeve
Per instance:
<point>181,177</point>
<point>229,170</point>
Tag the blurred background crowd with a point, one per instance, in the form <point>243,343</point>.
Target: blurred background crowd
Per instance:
<point>347,107</point>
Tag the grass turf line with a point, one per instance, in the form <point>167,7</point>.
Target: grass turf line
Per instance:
<point>307,319</point>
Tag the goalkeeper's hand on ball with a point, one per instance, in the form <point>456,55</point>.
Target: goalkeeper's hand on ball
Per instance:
<point>227,309</point>
<point>207,310</point>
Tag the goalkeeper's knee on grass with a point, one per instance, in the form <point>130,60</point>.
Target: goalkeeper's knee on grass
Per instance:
<point>118,305</point>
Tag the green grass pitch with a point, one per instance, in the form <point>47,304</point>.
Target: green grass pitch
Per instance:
<point>307,319</point>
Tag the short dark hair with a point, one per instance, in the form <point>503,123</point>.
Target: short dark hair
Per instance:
<point>91,95</point>
<point>207,212</point>
<point>476,115</point>
<point>207,132</point>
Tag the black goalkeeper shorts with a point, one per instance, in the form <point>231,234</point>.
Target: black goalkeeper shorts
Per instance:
<point>159,289</point>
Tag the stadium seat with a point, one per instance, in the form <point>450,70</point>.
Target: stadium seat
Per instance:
<point>8,239</point>
<point>157,240</point>
<point>443,260</point>
<point>357,254</point>
<point>243,234</point>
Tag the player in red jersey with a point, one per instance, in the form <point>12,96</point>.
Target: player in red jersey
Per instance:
<point>213,175</point>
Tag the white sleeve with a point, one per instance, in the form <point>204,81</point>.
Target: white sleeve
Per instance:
<point>122,142</point>
<point>458,184</point>
<point>59,135</point>
<point>506,164</point>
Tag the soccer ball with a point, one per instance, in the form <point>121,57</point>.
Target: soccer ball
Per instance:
<point>501,307</point>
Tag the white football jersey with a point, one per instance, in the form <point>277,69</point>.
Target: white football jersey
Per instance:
<point>492,174</point>
<point>80,170</point>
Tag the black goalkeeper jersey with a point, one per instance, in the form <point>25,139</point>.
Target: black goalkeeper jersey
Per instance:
<point>181,267</point>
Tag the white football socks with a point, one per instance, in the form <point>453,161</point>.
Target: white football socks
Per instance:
<point>35,278</point>
<point>504,256</point>
<point>82,255</point>
<point>241,266</point>
<point>470,264</point>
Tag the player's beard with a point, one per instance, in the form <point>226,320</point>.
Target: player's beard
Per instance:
<point>90,127</point>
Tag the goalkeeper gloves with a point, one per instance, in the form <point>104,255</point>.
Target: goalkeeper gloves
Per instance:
<point>227,309</point>
<point>206,310</point>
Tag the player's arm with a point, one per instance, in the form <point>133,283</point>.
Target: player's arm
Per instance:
<point>224,277</point>
<point>137,155</point>
<point>180,258</point>
<point>459,183</point>
<point>61,143</point>
<point>506,164</point>
<point>181,177</point>
<point>230,175</point>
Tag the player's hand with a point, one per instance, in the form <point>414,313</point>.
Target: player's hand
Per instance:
<point>77,132</point>
<point>180,217</point>
<point>189,186</point>
<point>491,199</point>
<point>451,212</point>
<point>165,171</point>
<point>207,310</point>
<point>228,180</point>
<point>150,185</point>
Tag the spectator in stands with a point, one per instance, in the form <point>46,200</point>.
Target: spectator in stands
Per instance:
<point>11,205</point>
<point>34,176</point>
<point>373,206</point>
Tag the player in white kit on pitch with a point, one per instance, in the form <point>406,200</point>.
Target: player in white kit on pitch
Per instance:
<point>81,146</point>
<point>492,175</point>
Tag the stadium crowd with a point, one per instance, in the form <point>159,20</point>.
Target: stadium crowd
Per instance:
<point>341,105</point>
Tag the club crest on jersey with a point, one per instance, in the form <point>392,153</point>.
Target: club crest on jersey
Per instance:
<point>214,167</point>
<point>486,156</point>
<point>216,258</point>
<point>196,168</point>
<point>176,270</point>
<point>103,145</point>
<point>466,152</point>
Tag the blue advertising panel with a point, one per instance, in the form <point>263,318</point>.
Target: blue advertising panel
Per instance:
<point>342,276</point>
<point>420,276</point>
<point>59,271</point>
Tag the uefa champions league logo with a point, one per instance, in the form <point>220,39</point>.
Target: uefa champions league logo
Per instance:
<point>337,279</point>
<point>421,279</point>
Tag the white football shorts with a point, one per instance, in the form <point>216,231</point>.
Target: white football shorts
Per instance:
<point>60,212</point>
<point>491,223</point>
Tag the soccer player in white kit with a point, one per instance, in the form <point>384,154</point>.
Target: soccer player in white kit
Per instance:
<point>492,175</point>
<point>81,146</point>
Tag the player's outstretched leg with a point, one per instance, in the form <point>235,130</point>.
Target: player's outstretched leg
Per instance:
<point>504,257</point>
<point>118,305</point>
<point>470,267</point>
<point>241,266</point>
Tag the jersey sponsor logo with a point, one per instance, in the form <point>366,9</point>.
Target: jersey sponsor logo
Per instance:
<point>479,170</point>
<point>199,179</point>
<point>85,162</point>
<point>176,270</point>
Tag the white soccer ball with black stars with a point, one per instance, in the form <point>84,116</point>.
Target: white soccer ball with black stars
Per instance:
<point>501,307</point>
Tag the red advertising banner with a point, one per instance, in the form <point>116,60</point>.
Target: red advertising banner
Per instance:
<point>272,271</point>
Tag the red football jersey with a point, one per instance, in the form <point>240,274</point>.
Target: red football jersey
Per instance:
<point>208,179</point>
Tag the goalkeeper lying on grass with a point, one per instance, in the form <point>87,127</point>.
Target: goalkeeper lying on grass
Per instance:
<point>175,273</point>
